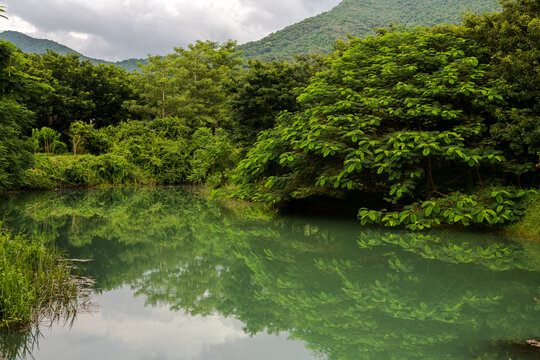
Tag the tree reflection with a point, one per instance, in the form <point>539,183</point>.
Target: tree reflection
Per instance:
<point>348,291</point>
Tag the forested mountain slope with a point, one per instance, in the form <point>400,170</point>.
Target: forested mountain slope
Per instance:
<point>315,34</point>
<point>358,18</point>
<point>29,44</point>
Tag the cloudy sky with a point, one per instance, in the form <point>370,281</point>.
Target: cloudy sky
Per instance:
<point>120,29</point>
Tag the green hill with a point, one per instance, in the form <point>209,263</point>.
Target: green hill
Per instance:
<point>315,34</point>
<point>29,44</point>
<point>358,18</point>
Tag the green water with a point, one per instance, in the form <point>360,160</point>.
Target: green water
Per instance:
<point>180,277</point>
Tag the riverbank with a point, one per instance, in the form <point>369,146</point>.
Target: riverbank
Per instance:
<point>528,226</point>
<point>52,172</point>
<point>35,282</point>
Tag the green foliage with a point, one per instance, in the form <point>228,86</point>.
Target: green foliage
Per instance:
<point>187,84</point>
<point>59,147</point>
<point>387,120</point>
<point>15,119</point>
<point>263,90</point>
<point>358,18</point>
<point>156,147</point>
<point>44,139</point>
<point>511,40</point>
<point>79,91</point>
<point>83,171</point>
<point>86,139</point>
<point>213,156</point>
<point>491,206</point>
<point>33,281</point>
<point>15,148</point>
<point>528,226</point>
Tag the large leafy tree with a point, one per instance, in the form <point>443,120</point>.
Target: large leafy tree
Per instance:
<point>16,148</point>
<point>188,84</point>
<point>400,123</point>
<point>81,91</point>
<point>511,40</point>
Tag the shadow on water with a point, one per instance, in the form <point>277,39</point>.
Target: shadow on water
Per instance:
<point>347,291</point>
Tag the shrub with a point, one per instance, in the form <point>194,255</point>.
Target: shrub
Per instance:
<point>155,147</point>
<point>45,138</point>
<point>110,169</point>
<point>86,139</point>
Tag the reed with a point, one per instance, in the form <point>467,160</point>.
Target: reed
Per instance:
<point>35,283</point>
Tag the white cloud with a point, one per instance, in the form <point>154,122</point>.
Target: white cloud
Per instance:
<point>118,29</point>
<point>122,327</point>
<point>16,23</point>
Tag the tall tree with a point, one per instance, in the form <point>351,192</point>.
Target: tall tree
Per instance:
<point>265,89</point>
<point>16,148</point>
<point>81,91</point>
<point>384,125</point>
<point>188,84</point>
<point>511,41</point>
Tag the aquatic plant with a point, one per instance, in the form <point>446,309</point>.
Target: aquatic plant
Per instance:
<point>35,283</point>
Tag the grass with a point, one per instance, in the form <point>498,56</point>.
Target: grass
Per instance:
<point>34,283</point>
<point>529,225</point>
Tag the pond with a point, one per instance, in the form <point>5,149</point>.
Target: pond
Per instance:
<point>178,276</point>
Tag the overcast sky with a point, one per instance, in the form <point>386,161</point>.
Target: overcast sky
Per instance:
<point>121,29</point>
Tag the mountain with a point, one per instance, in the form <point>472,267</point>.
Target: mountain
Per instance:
<point>358,18</point>
<point>314,34</point>
<point>29,44</point>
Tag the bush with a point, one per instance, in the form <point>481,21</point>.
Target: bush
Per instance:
<point>156,147</point>
<point>84,170</point>
<point>86,139</point>
<point>110,169</point>
<point>15,148</point>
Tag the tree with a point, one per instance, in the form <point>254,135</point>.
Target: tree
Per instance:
<point>45,138</point>
<point>80,91</point>
<point>16,147</point>
<point>264,89</point>
<point>511,42</point>
<point>188,84</point>
<point>383,126</point>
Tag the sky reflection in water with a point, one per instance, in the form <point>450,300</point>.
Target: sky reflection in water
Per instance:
<point>179,277</point>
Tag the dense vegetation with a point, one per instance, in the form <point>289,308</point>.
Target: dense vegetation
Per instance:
<point>413,127</point>
<point>395,112</point>
<point>358,18</point>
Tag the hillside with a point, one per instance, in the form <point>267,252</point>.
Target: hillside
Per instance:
<point>29,44</point>
<point>315,34</point>
<point>358,18</point>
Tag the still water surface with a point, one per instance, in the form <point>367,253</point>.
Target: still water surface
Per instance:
<point>181,277</point>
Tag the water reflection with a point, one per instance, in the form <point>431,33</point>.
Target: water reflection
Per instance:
<point>348,292</point>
